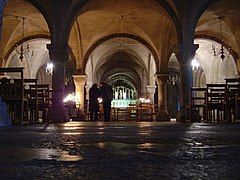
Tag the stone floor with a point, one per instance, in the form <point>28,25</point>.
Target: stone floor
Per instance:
<point>82,150</point>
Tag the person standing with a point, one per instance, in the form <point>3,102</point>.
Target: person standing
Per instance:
<point>173,96</point>
<point>107,96</point>
<point>94,94</point>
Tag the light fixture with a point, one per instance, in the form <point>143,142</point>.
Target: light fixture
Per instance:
<point>49,69</point>
<point>222,54</point>
<point>195,65</point>
<point>24,49</point>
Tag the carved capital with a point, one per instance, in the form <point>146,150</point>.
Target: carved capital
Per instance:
<point>79,79</point>
<point>186,52</point>
<point>151,89</point>
<point>58,53</point>
<point>161,77</point>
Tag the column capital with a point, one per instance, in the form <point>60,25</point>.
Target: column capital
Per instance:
<point>161,75</point>
<point>151,89</point>
<point>58,53</point>
<point>79,72</point>
<point>79,78</point>
<point>57,47</point>
<point>187,52</point>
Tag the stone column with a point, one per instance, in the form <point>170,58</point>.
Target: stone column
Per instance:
<point>59,57</point>
<point>79,81</point>
<point>186,55</point>
<point>87,90</point>
<point>151,91</point>
<point>162,97</point>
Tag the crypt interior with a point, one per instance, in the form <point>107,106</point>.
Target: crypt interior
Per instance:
<point>150,51</point>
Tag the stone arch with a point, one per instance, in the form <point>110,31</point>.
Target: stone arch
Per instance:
<point>233,53</point>
<point>43,11</point>
<point>104,59</point>
<point>140,40</point>
<point>14,18</point>
<point>4,63</point>
<point>202,9</point>
<point>74,13</point>
<point>216,69</point>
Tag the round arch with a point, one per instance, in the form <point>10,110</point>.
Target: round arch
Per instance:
<point>202,9</point>
<point>29,38</point>
<point>74,13</point>
<point>233,53</point>
<point>117,35</point>
<point>40,7</point>
<point>137,60</point>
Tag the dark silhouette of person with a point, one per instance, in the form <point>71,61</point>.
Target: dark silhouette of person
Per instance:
<point>94,94</point>
<point>173,96</point>
<point>107,96</point>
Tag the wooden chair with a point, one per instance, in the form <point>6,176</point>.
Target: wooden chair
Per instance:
<point>120,114</point>
<point>231,98</point>
<point>132,112</point>
<point>146,111</point>
<point>197,106</point>
<point>114,114</point>
<point>215,102</point>
<point>43,95</point>
<point>13,95</point>
<point>31,95</point>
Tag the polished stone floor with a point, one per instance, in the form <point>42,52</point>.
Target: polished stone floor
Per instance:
<point>97,150</point>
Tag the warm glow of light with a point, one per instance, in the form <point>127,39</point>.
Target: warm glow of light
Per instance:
<point>100,100</point>
<point>70,97</point>
<point>67,124</point>
<point>144,124</point>
<point>147,101</point>
<point>141,99</point>
<point>146,146</point>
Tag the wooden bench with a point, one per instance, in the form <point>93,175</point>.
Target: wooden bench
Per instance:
<point>232,99</point>
<point>132,112</point>
<point>197,105</point>
<point>13,94</point>
<point>146,111</point>
<point>32,97</point>
<point>43,99</point>
<point>215,102</point>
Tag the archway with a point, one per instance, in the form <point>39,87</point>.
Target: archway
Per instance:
<point>214,68</point>
<point>126,64</point>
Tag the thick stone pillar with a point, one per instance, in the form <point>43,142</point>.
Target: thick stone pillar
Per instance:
<point>87,90</point>
<point>151,91</point>
<point>59,57</point>
<point>162,97</point>
<point>79,81</point>
<point>186,55</point>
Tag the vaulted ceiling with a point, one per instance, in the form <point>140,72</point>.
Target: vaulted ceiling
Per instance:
<point>151,22</point>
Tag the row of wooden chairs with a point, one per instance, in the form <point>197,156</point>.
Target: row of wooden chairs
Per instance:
<point>216,102</point>
<point>136,112</point>
<point>26,99</point>
<point>142,111</point>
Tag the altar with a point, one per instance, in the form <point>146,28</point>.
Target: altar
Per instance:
<point>123,95</point>
<point>122,103</point>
